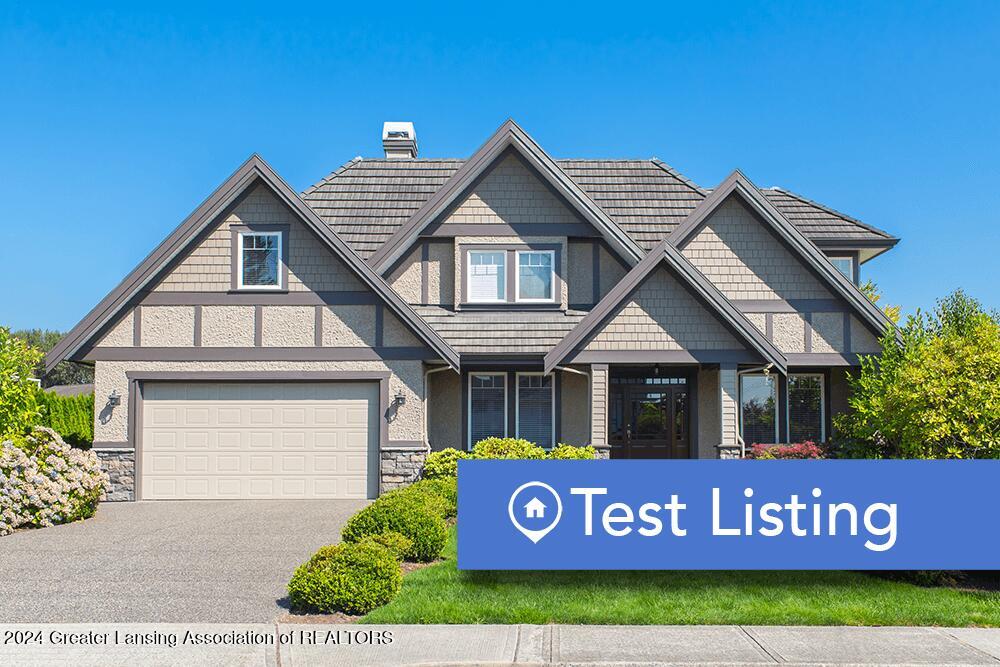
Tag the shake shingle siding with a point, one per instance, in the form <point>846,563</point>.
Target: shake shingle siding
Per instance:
<point>367,200</point>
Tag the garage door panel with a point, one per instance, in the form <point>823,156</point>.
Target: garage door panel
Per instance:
<point>259,440</point>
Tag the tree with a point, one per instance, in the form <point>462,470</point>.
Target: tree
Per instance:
<point>65,372</point>
<point>872,291</point>
<point>936,394</point>
<point>18,387</point>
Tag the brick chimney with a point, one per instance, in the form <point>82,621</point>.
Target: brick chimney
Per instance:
<point>399,140</point>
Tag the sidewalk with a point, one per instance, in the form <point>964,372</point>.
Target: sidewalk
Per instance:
<point>364,645</point>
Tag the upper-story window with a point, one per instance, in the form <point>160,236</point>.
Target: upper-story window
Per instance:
<point>534,275</point>
<point>487,276</point>
<point>259,256</point>
<point>844,264</point>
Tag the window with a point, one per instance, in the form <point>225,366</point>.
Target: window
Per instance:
<point>487,276</point>
<point>260,260</point>
<point>806,418</point>
<point>534,275</point>
<point>535,416</point>
<point>845,265</point>
<point>487,406</point>
<point>758,402</point>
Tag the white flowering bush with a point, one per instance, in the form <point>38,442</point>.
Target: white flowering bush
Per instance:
<point>44,481</point>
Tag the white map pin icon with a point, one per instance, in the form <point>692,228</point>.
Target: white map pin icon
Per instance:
<point>534,535</point>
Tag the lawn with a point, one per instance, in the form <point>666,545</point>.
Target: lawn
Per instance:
<point>442,594</point>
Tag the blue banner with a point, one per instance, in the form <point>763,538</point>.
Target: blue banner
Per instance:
<point>715,515</point>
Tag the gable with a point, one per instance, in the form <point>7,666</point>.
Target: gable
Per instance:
<point>663,315</point>
<point>739,254</point>
<point>207,265</point>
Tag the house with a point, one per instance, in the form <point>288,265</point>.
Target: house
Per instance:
<point>287,345</point>
<point>534,509</point>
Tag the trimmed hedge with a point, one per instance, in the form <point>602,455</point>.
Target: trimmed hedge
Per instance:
<point>569,453</point>
<point>417,516</point>
<point>507,448</point>
<point>443,463</point>
<point>442,491</point>
<point>72,417</point>
<point>349,578</point>
<point>397,543</point>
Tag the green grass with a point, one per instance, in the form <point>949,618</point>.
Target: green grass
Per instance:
<point>442,594</point>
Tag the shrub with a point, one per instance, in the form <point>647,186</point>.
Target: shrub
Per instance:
<point>44,481</point>
<point>350,578</point>
<point>798,450</point>
<point>18,390</point>
<point>72,417</point>
<point>397,543</point>
<point>569,452</point>
<point>507,448</point>
<point>443,463</point>
<point>444,490</point>
<point>410,514</point>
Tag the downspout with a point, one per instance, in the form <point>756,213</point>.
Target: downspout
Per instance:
<point>590,396</point>
<point>426,401</point>
<point>755,369</point>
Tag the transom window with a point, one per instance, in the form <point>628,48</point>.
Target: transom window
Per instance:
<point>758,409</point>
<point>844,264</point>
<point>535,415</point>
<point>806,411</point>
<point>534,275</point>
<point>487,406</point>
<point>487,276</point>
<point>260,260</point>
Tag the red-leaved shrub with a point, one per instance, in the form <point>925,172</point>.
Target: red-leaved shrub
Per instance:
<point>798,450</point>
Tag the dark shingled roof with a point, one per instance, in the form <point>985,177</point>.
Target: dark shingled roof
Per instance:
<point>500,332</point>
<point>366,200</point>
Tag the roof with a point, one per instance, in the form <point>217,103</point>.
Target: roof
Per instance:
<point>246,177</point>
<point>71,389</point>
<point>368,199</point>
<point>515,332</point>
<point>666,254</point>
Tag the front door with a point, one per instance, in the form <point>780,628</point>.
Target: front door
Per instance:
<point>649,418</point>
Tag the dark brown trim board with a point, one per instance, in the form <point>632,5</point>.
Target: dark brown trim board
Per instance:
<point>523,229</point>
<point>736,184</point>
<point>311,353</point>
<point>691,279</point>
<point>254,171</point>
<point>508,136</point>
<point>258,298</point>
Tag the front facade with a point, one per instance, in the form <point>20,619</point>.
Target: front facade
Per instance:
<point>285,345</point>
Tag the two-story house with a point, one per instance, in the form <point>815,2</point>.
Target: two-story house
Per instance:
<point>286,345</point>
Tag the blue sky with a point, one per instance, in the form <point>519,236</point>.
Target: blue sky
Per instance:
<point>116,122</point>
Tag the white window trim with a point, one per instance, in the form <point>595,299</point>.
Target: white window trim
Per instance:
<point>239,259</point>
<point>853,278</point>
<point>469,444</point>
<point>739,392</point>
<point>517,275</point>
<point>822,406</point>
<point>517,405</point>
<point>468,275</point>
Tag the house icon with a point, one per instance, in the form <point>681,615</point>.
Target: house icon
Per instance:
<point>535,509</point>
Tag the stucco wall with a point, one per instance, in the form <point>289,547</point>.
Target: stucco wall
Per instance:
<point>663,315</point>
<point>444,410</point>
<point>349,326</point>
<point>395,333</point>
<point>167,326</point>
<point>575,409</point>
<point>120,333</point>
<point>580,272</point>
<point>709,417</point>
<point>227,326</point>
<point>288,326</point>
<point>406,278</point>
<point>441,272</point>
<point>863,340</point>
<point>407,377</point>
<point>311,265</point>
<point>611,271</point>
<point>745,261</point>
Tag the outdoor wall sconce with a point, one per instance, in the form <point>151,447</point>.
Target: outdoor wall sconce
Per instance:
<point>399,399</point>
<point>114,398</point>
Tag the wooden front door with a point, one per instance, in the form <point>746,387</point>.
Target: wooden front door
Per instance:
<point>649,418</point>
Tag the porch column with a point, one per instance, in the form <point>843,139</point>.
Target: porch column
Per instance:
<point>729,447</point>
<point>599,392</point>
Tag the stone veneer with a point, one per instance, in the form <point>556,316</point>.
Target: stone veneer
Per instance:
<point>120,466</point>
<point>729,452</point>
<point>400,467</point>
<point>603,453</point>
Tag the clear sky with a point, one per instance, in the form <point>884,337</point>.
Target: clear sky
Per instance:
<point>116,122</point>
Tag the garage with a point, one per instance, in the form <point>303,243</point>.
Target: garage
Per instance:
<point>258,440</point>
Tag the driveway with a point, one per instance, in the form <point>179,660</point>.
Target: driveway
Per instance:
<point>185,562</point>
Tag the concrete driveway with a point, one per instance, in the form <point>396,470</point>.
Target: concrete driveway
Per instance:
<point>183,562</point>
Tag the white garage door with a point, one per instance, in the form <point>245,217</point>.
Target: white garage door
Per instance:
<point>259,440</point>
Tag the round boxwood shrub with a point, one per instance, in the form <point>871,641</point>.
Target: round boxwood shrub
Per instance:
<point>569,452</point>
<point>443,463</point>
<point>507,448</point>
<point>412,515</point>
<point>397,543</point>
<point>350,578</point>
<point>443,491</point>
